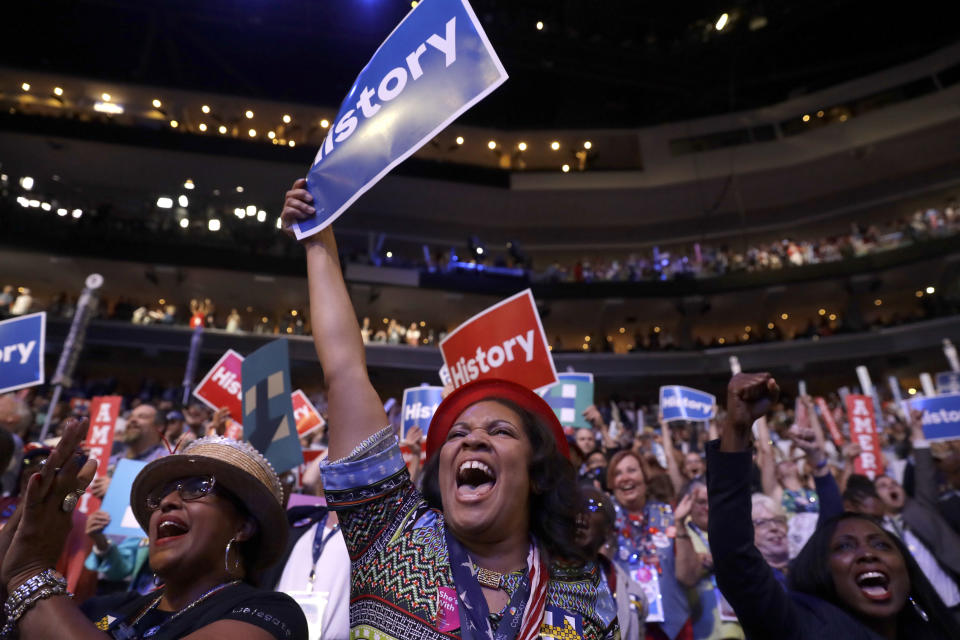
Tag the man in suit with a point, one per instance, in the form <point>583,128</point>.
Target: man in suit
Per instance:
<point>934,544</point>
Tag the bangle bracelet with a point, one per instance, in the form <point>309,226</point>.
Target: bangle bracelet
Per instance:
<point>46,584</point>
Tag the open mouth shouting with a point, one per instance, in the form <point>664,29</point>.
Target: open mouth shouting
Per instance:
<point>169,529</point>
<point>874,585</point>
<point>475,480</point>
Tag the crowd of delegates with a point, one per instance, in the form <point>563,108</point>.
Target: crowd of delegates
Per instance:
<point>644,522</point>
<point>750,526</point>
<point>203,313</point>
<point>702,261</point>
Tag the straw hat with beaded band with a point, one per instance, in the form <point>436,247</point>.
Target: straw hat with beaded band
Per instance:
<point>491,389</point>
<point>237,467</point>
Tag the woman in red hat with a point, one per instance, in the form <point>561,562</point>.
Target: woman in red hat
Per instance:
<point>487,550</point>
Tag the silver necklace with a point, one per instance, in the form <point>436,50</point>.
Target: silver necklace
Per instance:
<point>152,631</point>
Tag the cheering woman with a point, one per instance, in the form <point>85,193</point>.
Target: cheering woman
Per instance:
<point>487,550</point>
<point>214,517</point>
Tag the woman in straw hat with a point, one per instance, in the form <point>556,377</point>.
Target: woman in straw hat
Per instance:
<point>487,549</point>
<point>214,517</point>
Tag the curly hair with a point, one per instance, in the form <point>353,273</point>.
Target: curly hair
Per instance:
<point>555,498</point>
<point>810,573</point>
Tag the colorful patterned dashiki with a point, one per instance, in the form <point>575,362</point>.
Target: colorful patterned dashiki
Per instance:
<point>402,587</point>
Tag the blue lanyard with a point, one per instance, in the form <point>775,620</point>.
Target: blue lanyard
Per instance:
<point>319,542</point>
<point>700,535</point>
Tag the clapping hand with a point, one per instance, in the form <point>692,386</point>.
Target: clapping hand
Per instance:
<point>34,536</point>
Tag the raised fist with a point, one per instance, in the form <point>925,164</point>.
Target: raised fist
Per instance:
<point>749,396</point>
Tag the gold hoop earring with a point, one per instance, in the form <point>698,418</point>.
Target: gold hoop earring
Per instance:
<point>226,557</point>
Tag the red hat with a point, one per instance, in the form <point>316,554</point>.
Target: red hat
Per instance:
<point>491,389</point>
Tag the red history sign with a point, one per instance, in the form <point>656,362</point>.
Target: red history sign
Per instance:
<point>863,431</point>
<point>504,341</point>
<point>104,411</point>
<point>221,386</point>
<point>307,417</point>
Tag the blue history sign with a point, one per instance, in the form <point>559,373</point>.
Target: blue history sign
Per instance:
<point>941,416</point>
<point>684,403</point>
<point>419,405</point>
<point>434,66</point>
<point>21,351</point>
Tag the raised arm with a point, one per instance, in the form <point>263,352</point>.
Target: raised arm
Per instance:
<point>673,469</point>
<point>355,411</point>
<point>745,579</point>
<point>924,474</point>
<point>811,440</point>
<point>767,461</point>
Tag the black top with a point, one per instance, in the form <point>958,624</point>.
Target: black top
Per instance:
<point>763,608</point>
<point>276,613</point>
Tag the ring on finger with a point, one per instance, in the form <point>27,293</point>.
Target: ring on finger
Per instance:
<point>70,502</point>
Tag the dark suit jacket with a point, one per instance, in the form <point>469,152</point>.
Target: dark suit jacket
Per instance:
<point>922,516</point>
<point>765,610</point>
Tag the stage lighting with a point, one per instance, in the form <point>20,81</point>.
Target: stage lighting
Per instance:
<point>157,104</point>
<point>205,108</point>
<point>522,146</point>
<point>261,216</point>
<point>492,145</point>
<point>184,223</point>
<point>722,22</point>
<point>539,25</point>
<point>555,145</point>
<point>565,168</point>
<point>459,140</point>
<point>183,201</point>
<point>105,97</point>
<point>25,86</point>
<point>77,213</point>
<point>324,123</point>
<point>58,91</point>
<point>476,247</point>
<point>164,202</point>
<point>62,212</point>
<point>188,184</point>
<point>203,126</point>
<point>252,133</point>
<point>26,182</point>
<point>286,119</point>
<point>249,114</point>
<point>587,145</point>
<point>213,225</point>
<point>174,124</point>
<point>271,134</point>
<point>107,107</point>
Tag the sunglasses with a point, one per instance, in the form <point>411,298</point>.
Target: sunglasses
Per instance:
<point>36,461</point>
<point>594,505</point>
<point>188,488</point>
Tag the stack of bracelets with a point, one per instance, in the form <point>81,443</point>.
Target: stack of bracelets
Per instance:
<point>46,584</point>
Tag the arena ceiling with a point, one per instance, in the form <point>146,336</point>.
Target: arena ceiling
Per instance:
<point>610,63</point>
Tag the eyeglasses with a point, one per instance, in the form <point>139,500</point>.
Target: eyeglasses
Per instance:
<point>188,488</point>
<point>778,521</point>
